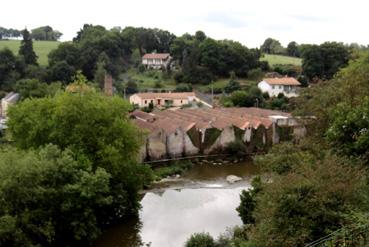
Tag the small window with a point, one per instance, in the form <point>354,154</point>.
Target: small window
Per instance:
<point>273,87</point>
<point>145,102</point>
<point>152,101</point>
<point>181,101</point>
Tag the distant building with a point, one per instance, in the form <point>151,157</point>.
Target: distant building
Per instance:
<point>165,99</point>
<point>285,85</point>
<point>9,99</point>
<point>156,60</point>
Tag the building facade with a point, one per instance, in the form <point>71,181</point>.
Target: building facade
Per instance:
<point>165,99</point>
<point>156,60</point>
<point>285,85</point>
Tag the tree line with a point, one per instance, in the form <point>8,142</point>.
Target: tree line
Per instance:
<point>39,33</point>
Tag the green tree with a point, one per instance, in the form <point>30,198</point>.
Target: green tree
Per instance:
<point>272,46</point>
<point>91,124</point>
<point>309,203</point>
<point>61,71</point>
<point>349,133</point>
<point>26,49</point>
<point>200,240</point>
<point>45,33</point>
<point>323,61</point>
<point>293,49</point>
<point>33,88</point>
<point>50,197</point>
<point>7,65</point>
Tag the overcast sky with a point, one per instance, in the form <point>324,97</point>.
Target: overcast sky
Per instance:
<point>250,22</point>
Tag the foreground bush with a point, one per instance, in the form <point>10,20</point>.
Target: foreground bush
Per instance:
<point>50,197</point>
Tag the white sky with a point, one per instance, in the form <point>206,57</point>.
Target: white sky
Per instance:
<point>247,21</point>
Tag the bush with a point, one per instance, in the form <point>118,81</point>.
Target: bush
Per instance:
<point>255,74</point>
<point>200,240</point>
<point>141,68</point>
<point>232,86</point>
<point>183,87</point>
<point>179,77</point>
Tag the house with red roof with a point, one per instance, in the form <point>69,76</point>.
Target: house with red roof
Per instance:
<point>285,85</point>
<point>156,60</point>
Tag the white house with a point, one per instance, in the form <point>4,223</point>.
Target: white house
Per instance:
<point>9,99</point>
<point>285,85</point>
<point>156,60</point>
<point>165,99</point>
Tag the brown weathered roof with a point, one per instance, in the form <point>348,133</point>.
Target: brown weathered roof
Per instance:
<point>204,118</point>
<point>148,117</point>
<point>165,95</point>
<point>156,56</point>
<point>282,81</point>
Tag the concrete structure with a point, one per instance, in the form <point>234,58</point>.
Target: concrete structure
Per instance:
<point>156,60</point>
<point>9,99</point>
<point>165,99</point>
<point>285,85</point>
<point>187,132</point>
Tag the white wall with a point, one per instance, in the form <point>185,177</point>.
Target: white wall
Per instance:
<point>274,90</point>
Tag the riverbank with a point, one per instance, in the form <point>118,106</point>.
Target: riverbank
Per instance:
<point>200,200</point>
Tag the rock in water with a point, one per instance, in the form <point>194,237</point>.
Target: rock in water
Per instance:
<point>233,179</point>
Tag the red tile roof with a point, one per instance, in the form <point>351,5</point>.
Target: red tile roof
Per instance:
<point>289,81</point>
<point>156,56</point>
<point>165,95</point>
<point>204,118</point>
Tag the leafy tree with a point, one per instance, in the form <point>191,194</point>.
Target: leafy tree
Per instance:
<point>323,61</point>
<point>26,49</point>
<point>183,87</point>
<point>45,33</point>
<point>272,46</point>
<point>33,88</point>
<point>349,133</point>
<point>7,65</point>
<point>200,240</point>
<point>232,86</point>
<point>200,36</point>
<point>91,124</point>
<point>248,201</point>
<point>293,49</point>
<point>50,197</point>
<point>61,71</point>
<point>308,204</point>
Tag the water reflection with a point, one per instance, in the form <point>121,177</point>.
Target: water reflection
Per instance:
<point>204,203</point>
<point>171,218</point>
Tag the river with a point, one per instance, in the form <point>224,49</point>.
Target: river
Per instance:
<point>200,201</point>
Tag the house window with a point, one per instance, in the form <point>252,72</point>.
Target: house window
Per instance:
<point>152,101</point>
<point>181,101</point>
<point>145,102</point>
<point>273,87</point>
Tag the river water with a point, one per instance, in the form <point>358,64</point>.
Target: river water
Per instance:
<point>200,201</point>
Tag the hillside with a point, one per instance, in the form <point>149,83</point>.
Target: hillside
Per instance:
<point>279,59</point>
<point>42,48</point>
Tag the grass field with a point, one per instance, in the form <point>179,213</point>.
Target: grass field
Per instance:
<point>42,48</point>
<point>279,59</point>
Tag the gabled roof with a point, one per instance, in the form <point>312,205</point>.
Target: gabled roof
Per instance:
<point>165,95</point>
<point>289,81</point>
<point>156,56</point>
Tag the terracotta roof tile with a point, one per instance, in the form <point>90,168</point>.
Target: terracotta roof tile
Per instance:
<point>282,81</point>
<point>156,56</point>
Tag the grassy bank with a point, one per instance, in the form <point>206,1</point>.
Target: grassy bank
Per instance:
<point>42,48</point>
<point>279,59</point>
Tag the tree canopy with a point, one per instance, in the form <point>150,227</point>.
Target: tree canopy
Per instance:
<point>45,33</point>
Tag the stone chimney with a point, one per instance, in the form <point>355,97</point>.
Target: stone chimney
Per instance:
<point>108,85</point>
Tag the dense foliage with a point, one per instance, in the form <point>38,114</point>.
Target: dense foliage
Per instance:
<point>45,33</point>
<point>96,132</point>
<point>50,197</point>
<point>319,185</point>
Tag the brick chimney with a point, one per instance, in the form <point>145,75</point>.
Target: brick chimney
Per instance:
<point>108,85</point>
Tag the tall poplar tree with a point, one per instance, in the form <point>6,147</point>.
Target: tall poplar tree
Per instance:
<point>26,49</point>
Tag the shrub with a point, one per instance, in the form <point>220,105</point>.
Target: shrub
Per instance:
<point>184,87</point>
<point>255,74</point>
<point>200,240</point>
